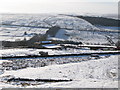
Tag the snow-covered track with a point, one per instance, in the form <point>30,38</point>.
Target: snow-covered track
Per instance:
<point>63,55</point>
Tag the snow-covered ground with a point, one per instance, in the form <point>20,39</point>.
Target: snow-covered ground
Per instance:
<point>26,52</point>
<point>91,37</point>
<point>100,73</point>
<point>22,52</point>
<point>8,33</point>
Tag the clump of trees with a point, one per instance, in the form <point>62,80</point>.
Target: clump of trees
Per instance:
<point>118,45</point>
<point>101,21</point>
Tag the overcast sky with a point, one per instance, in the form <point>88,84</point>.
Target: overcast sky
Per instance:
<point>59,6</point>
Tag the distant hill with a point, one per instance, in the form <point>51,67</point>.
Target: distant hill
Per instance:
<point>101,21</point>
<point>70,28</point>
<point>81,30</point>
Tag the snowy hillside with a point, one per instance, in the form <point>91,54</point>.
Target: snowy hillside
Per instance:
<point>102,73</point>
<point>87,69</point>
<point>70,23</point>
<point>80,36</point>
<point>91,37</point>
<point>47,21</point>
<point>14,26</point>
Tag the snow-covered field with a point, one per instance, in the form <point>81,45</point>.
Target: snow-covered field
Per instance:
<point>100,73</point>
<point>26,52</point>
<point>8,33</point>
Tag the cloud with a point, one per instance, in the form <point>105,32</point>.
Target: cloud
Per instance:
<point>42,1</point>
